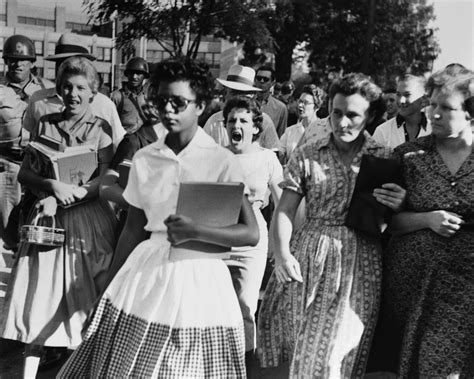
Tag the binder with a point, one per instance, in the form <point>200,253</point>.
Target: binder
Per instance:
<point>213,204</point>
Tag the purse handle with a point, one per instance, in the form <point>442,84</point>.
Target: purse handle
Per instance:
<point>38,216</point>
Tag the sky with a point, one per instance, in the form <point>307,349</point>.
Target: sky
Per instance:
<point>455,20</point>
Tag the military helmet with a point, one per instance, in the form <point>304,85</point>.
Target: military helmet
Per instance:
<point>19,47</point>
<point>138,64</point>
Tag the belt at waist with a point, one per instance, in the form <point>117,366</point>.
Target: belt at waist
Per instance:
<point>324,222</point>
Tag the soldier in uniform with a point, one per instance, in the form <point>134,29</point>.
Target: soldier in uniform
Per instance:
<point>15,90</point>
<point>130,99</point>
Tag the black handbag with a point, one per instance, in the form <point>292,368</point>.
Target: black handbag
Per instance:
<point>365,213</point>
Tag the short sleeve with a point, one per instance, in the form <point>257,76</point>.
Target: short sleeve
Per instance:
<point>131,193</point>
<point>275,170</point>
<point>294,173</point>
<point>283,142</point>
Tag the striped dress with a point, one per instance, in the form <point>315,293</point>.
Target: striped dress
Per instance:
<point>323,326</point>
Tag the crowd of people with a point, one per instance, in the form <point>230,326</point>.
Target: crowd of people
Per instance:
<point>123,297</point>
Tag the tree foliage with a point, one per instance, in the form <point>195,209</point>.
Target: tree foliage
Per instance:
<point>382,38</point>
<point>179,25</point>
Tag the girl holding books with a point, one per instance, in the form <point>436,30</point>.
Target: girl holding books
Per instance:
<point>53,288</point>
<point>171,312</point>
<point>262,172</point>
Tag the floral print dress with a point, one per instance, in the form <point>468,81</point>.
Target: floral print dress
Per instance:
<point>324,325</point>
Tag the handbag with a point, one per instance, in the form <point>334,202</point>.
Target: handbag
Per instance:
<point>365,213</point>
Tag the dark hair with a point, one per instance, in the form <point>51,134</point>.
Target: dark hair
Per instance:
<point>318,94</point>
<point>195,72</point>
<point>448,82</point>
<point>287,87</point>
<point>252,106</point>
<point>356,83</point>
<point>452,70</point>
<point>78,66</point>
<point>390,90</point>
<point>267,68</point>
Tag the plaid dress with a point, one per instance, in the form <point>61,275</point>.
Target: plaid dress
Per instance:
<point>324,325</point>
<point>167,313</point>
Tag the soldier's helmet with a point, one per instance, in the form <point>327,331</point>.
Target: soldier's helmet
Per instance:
<point>19,47</point>
<point>137,64</point>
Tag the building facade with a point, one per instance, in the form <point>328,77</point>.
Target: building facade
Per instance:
<point>44,21</point>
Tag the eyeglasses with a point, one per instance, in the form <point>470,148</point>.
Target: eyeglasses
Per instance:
<point>263,79</point>
<point>304,102</point>
<point>178,103</point>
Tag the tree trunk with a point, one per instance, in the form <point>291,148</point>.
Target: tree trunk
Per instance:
<point>283,62</point>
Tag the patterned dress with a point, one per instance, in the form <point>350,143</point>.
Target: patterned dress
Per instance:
<point>429,279</point>
<point>324,325</point>
<point>52,290</point>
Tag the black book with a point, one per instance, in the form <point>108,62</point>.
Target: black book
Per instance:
<point>365,213</point>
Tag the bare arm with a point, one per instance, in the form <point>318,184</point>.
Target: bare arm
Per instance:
<point>245,232</point>
<point>132,234</point>
<point>286,266</point>
<point>441,222</point>
<point>111,190</point>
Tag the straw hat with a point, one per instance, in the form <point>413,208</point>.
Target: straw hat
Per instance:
<point>70,45</point>
<point>240,78</point>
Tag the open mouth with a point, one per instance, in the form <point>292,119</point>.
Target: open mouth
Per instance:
<point>236,135</point>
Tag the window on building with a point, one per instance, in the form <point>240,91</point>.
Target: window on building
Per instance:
<point>107,54</point>
<point>78,27</point>
<point>99,53</point>
<point>39,47</point>
<point>35,21</point>
<point>51,48</point>
<point>3,17</point>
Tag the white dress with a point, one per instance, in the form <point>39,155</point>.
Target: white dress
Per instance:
<point>167,315</point>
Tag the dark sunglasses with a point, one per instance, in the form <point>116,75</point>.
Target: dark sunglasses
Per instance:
<point>263,79</point>
<point>178,103</point>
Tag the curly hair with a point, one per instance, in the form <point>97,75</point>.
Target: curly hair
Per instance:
<point>449,82</point>
<point>356,83</point>
<point>252,106</point>
<point>318,94</point>
<point>197,73</point>
<point>78,66</point>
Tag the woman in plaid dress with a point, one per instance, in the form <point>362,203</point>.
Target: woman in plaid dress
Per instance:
<point>170,314</point>
<point>320,305</point>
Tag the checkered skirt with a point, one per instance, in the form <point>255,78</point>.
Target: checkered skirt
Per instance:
<point>162,318</point>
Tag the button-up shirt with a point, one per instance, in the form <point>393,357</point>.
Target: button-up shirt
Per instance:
<point>392,133</point>
<point>278,112</point>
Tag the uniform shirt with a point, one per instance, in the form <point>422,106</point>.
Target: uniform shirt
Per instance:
<point>215,127</point>
<point>47,101</point>
<point>157,171</point>
<point>392,132</point>
<point>277,112</point>
<point>129,106</point>
<point>34,84</point>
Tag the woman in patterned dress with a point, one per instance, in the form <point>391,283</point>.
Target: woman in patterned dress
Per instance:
<point>429,273</point>
<point>321,303</point>
<point>52,290</point>
<point>170,312</point>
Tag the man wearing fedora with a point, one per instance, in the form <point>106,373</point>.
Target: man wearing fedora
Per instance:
<point>49,101</point>
<point>130,99</point>
<point>239,82</point>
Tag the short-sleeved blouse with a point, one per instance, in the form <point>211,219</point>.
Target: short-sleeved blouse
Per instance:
<point>157,171</point>
<point>261,168</point>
